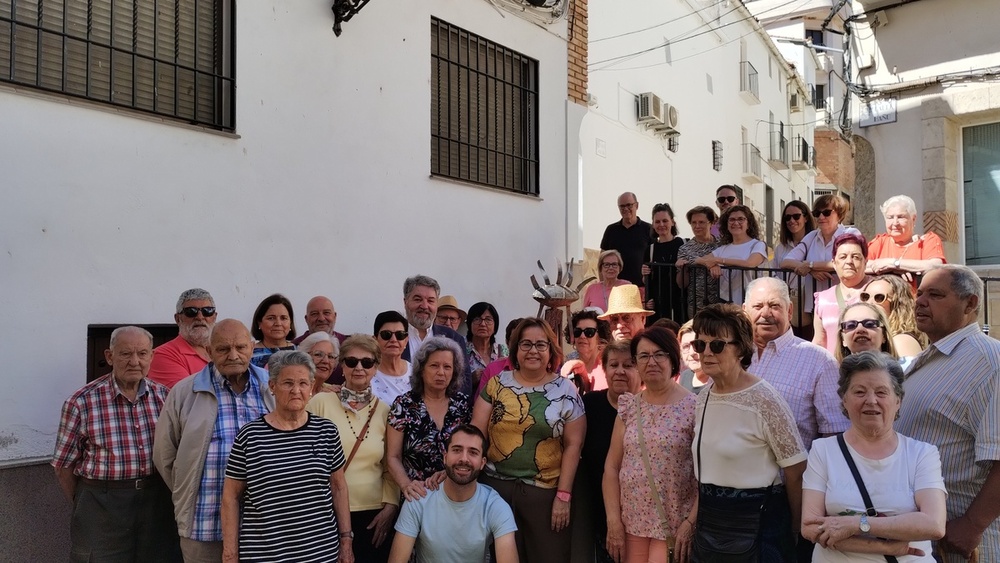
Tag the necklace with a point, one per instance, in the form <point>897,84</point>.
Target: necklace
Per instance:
<point>353,431</point>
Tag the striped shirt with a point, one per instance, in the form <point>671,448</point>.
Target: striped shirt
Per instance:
<point>235,411</point>
<point>103,435</point>
<point>288,506</point>
<point>952,400</point>
<point>806,376</point>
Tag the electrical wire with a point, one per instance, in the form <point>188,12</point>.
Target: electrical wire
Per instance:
<point>670,21</point>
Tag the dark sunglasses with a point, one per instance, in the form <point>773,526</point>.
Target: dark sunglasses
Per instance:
<point>877,297</point>
<point>824,212</point>
<point>851,326</point>
<point>725,199</point>
<point>192,312</point>
<point>791,216</point>
<point>588,332</point>
<point>716,346</point>
<point>367,363</point>
<point>388,334</point>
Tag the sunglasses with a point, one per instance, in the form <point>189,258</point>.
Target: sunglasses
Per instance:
<point>725,199</point>
<point>716,346</point>
<point>851,326</point>
<point>793,217</point>
<point>588,332</point>
<point>388,334</point>
<point>876,297</point>
<point>824,212</point>
<point>192,312</point>
<point>367,363</point>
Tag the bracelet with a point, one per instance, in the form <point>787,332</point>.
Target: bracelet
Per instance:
<point>564,496</point>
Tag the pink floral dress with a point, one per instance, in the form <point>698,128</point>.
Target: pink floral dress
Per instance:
<point>669,431</point>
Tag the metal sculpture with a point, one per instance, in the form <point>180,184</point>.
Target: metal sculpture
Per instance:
<point>556,295</point>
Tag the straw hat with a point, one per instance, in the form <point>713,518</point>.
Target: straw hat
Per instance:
<point>449,302</point>
<point>625,299</point>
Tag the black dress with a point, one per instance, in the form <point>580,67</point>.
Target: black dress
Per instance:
<point>661,285</point>
<point>600,425</point>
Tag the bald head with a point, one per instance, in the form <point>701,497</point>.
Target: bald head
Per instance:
<point>231,347</point>
<point>320,315</point>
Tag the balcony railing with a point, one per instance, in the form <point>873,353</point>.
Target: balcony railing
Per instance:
<point>751,163</point>
<point>779,151</point>
<point>803,155</point>
<point>748,83</point>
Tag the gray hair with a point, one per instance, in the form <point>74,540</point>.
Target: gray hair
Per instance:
<point>315,338</point>
<point>193,294</point>
<point>870,360</point>
<point>437,344</point>
<point>964,281</point>
<point>776,284</point>
<point>423,280</point>
<point>118,332</point>
<point>285,358</point>
<point>900,200</point>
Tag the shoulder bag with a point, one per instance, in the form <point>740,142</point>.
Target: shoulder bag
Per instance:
<point>869,509</point>
<point>652,482</point>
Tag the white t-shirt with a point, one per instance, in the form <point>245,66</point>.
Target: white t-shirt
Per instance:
<point>735,279</point>
<point>891,483</point>
<point>388,387</point>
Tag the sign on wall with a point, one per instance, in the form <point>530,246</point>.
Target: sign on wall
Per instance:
<point>878,111</point>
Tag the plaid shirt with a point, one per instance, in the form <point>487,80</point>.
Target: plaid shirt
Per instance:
<point>235,410</point>
<point>103,435</point>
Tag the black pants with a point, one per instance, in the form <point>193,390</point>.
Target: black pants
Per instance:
<point>364,551</point>
<point>123,525</point>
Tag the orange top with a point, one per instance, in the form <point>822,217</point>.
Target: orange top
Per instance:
<point>924,248</point>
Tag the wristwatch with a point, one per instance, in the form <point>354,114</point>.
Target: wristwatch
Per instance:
<point>865,526</point>
<point>896,263</point>
<point>347,534</point>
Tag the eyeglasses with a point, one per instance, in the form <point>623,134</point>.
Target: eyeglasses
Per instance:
<point>737,219</point>
<point>624,206</point>
<point>851,326</point>
<point>658,357</point>
<point>192,312</point>
<point>483,321</point>
<point>793,217</point>
<point>352,362</point>
<point>716,346</point>
<point>449,318</point>
<point>725,199</point>
<point>625,319</point>
<point>877,297</point>
<point>589,332</point>
<point>824,212</point>
<point>607,265</point>
<point>527,345</point>
<point>388,334</point>
<point>317,356</point>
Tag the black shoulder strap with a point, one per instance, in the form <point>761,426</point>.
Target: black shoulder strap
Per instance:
<point>869,509</point>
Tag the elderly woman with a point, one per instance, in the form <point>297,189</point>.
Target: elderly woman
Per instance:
<point>903,506</point>
<point>892,294</point>
<point>361,420</point>
<point>273,328</point>
<point>392,378</point>
<point>701,287</point>
<point>739,248</point>
<point>649,509</point>
<point>307,517</point>
<point>693,377</point>
<point>422,419</point>
<point>663,295</point>
<point>609,265</point>
<point>850,251</point>
<point>324,349</point>
<point>746,512</point>
<point>898,250</point>
<point>863,327</point>
<point>601,408</point>
<point>482,348</point>
<point>590,335</point>
<point>535,424</point>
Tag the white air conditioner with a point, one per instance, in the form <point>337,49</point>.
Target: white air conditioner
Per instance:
<point>795,102</point>
<point>650,109</point>
<point>865,61</point>
<point>670,115</point>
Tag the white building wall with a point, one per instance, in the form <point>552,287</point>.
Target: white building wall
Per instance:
<point>326,189</point>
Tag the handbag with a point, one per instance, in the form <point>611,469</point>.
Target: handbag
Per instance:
<point>727,531</point>
<point>869,509</point>
<point>652,483</point>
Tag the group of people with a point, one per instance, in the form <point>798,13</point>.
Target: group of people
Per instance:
<point>727,438</point>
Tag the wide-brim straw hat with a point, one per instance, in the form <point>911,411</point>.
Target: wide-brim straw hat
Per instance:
<point>449,302</point>
<point>625,299</point>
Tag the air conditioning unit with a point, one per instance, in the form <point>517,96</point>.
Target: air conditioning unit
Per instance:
<point>864,61</point>
<point>669,125</point>
<point>650,109</point>
<point>795,102</point>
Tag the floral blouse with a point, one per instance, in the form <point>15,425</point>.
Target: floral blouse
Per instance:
<point>477,362</point>
<point>423,443</point>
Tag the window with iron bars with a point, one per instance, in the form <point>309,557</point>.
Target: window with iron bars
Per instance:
<point>674,143</point>
<point>171,58</point>
<point>717,155</point>
<point>484,111</point>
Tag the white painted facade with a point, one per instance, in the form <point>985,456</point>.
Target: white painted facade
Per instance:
<point>698,72</point>
<point>324,189</point>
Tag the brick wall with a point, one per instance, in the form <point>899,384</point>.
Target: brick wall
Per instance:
<point>576,72</point>
<point>834,161</point>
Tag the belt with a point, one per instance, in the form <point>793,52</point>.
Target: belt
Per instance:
<point>137,484</point>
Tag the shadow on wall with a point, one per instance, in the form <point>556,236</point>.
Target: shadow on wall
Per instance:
<point>34,516</point>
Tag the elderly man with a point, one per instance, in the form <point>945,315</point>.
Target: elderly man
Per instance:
<point>953,401</point>
<point>196,430</point>
<point>805,374</point>
<point>459,520</point>
<point>631,237</point>
<point>322,317</point>
<point>625,313</point>
<point>420,300</point>
<point>449,314</point>
<point>725,197</point>
<point>103,460</point>
<point>188,353</point>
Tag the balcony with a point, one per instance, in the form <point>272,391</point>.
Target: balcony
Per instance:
<point>751,163</point>
<point>748,83</point>
<point>803,155</point>
<point>778,158</point>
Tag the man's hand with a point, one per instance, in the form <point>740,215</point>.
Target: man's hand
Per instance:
<point>961,536</point>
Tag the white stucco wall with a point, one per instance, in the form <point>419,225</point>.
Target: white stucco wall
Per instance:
<point>106,218</point>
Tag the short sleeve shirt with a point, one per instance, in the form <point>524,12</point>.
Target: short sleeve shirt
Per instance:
<point>423,441</point>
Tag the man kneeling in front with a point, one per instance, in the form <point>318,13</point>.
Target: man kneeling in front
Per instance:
<point>457,522</point>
